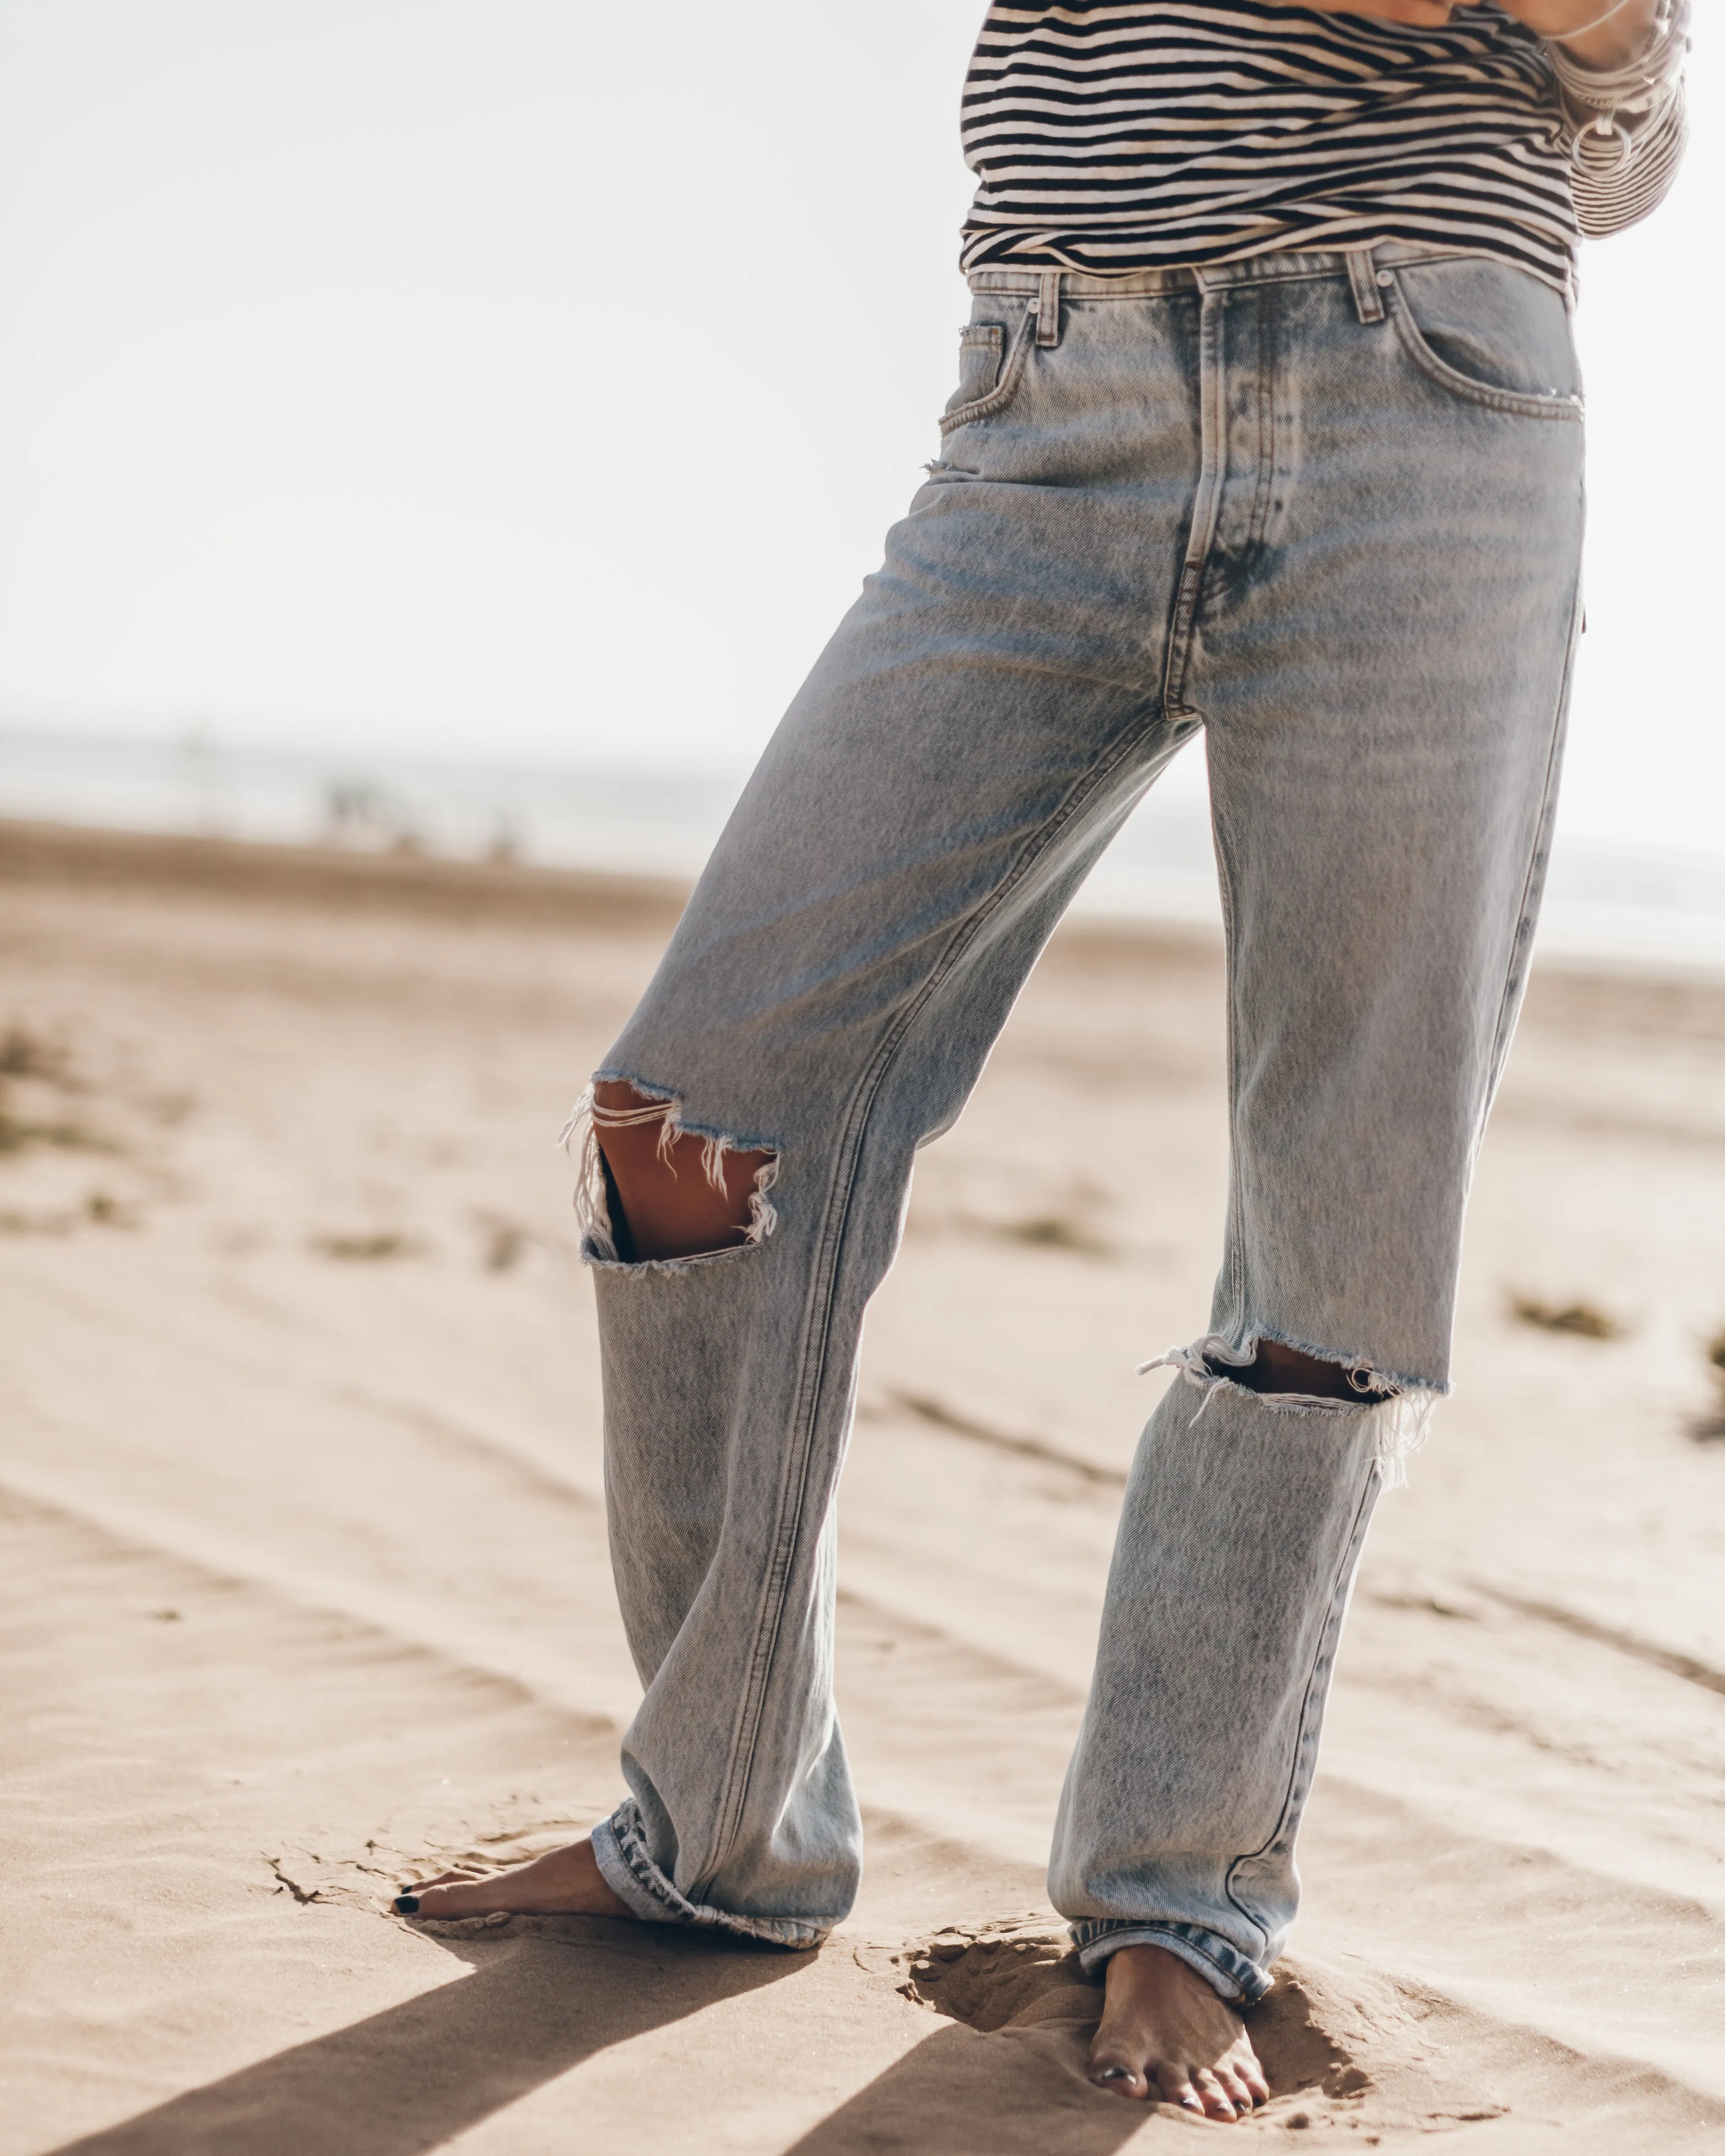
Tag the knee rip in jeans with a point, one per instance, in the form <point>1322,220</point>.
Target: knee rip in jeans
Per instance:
<point>748,1218</point>
<point>1399,1409</point>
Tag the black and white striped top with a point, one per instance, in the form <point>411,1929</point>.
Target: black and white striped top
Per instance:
<point>1136,134</point>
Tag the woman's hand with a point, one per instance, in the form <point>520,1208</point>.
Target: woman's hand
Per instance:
<point>1610,45</point>
<point>1626,32</point>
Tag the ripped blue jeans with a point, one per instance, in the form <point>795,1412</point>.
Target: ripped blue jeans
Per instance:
<point>1327,509</point>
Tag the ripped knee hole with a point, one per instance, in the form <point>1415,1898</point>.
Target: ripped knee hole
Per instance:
<point>635,1204</point>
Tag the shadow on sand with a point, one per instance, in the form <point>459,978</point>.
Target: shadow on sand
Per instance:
<point>539,2001</point>
<point>1017,2092</point>
<point>1008,2075</point>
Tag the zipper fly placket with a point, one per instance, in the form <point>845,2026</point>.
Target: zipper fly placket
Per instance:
<point>1231,504</point>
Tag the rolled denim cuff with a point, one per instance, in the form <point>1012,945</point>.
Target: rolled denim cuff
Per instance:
<point>615,1869</point>
<point>619,1848</point>
<point>1234,1975</point>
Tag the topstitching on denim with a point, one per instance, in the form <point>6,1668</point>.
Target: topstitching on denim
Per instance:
<point>1513,402</point>
<point>1280,1840</point>
<point>1222,1965</point>
<point>813,1357</point>
<point>727,1391</point>
<point>621,1853</point>
<point>997,398</point>
<point>1527,915</point>
<point>1292,267</point>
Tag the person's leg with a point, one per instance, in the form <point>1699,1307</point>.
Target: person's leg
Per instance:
<point>981,723</point>
<point>1379,644</point>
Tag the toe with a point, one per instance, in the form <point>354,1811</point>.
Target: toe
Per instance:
<point>1174,2087</point>
<point>453,1900</point>
<point>1117,2077</point>
<point>1217,2102</point>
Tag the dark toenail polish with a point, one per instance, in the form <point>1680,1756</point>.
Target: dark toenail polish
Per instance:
<point>407,1905</point>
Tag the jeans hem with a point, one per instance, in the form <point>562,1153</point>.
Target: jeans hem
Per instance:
<point>619,1848</point>
<point>1236,1976</point>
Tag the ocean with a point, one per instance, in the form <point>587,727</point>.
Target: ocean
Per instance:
<point>1620,904</point>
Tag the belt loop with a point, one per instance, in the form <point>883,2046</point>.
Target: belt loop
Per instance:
<point>1362,275</point>
<point>1048,308</point>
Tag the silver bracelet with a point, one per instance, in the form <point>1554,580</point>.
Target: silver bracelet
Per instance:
<point>1628,87</point>
<point>1640,87</point>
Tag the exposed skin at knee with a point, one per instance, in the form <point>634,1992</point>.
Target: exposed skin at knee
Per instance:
<point>663,1204</point>
<point>1279,1370</point>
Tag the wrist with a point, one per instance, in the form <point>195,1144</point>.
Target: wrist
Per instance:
<point>1615,42</point>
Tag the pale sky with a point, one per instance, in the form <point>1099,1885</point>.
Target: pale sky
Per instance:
<point>531,377</point>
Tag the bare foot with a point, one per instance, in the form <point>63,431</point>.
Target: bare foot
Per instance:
<point>1167,2036</point>
<point>562,1882</point>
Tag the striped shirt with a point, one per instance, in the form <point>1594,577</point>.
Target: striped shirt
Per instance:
<point>1137,134</point>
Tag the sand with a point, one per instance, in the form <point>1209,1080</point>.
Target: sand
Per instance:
<point>306,1580</point>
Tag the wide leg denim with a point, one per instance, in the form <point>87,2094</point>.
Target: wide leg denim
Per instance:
<point>1327,508</point>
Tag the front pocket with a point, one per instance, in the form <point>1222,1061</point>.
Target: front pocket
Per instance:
<point>980,345</point>
<point>984,385</point>
<point>1488,338</point>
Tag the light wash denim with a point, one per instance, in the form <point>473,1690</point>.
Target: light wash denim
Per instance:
<point>1327,508</point>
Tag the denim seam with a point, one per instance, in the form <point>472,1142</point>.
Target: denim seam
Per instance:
<point>1206,500</point>
<point>1245,270</point>
<point>1235,1254</point>
<point>1267,300</point>
<point>1464,385</point>
<point>1006,385</point>
<point>1299,1771</point>
<point>1238,570</point>
<point>1521,942</point>
<point>811,1371</point>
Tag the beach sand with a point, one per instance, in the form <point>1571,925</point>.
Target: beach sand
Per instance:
<point>306,1587</point>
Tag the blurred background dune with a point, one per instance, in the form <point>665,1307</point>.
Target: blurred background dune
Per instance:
<point>450,424</point>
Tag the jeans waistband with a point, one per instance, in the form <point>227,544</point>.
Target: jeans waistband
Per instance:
<point>1208,276</point>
